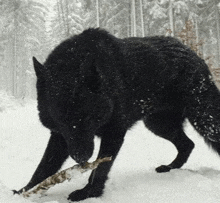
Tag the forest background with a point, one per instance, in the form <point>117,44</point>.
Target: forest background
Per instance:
<point>34,27</point>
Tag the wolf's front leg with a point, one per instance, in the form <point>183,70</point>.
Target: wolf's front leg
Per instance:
<point>111,143</point>
<point>54,156</point>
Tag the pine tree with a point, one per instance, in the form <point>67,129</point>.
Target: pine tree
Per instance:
<point>189,38</point>
<point>22,26</point>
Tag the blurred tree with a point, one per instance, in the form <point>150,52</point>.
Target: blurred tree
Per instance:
<point>22,21</point>
<point>115,17</point>
<point>210,23</point>
<point>188,37</point>
<point>133,19</point>
<point>155,18</point>
<point>71,17</point>
<point>97,14</point>
<point>142,18</point>
<point>36,26</point>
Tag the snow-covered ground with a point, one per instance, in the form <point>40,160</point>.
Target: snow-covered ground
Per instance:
<point>132,178</point>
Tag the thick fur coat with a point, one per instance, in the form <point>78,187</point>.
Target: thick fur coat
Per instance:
<point>97,84</point>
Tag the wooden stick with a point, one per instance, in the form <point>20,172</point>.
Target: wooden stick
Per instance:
<point>61,176</point>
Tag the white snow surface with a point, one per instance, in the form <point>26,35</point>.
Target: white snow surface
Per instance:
<point>132,178</point>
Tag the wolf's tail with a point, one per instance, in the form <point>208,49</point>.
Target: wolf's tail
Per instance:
<point>203,106</point>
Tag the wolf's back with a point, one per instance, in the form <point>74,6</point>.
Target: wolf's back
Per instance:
<point>194,82</point>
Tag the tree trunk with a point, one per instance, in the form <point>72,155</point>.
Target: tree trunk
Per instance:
<point>14,56</point>
<point>97,14</point>
<point>60,19</point>
<point>142,18</point>
<point>197,36</point>
<point>218,33</point>
<point>64,16</point>
<point>171,18</point>
<point>133,19</point>
<point>67,18</point>
<point>129,20</point>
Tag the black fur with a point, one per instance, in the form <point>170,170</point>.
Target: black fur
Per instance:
<point>96,84</point>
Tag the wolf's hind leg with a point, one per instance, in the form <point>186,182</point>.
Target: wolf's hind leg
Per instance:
<point>169,125</point>
<point>184,147</point>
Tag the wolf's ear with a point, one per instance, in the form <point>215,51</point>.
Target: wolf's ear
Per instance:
<point>38,67</point>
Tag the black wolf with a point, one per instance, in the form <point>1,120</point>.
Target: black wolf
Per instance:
<point>97,84</point>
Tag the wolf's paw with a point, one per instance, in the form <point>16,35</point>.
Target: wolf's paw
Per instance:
<point>163,169</point>
<point>15,192</point>
<point>24,189</point>
<point>18,192</point>
<point>87,192</point>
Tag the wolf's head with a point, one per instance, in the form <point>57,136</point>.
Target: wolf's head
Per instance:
<point>74,104</point>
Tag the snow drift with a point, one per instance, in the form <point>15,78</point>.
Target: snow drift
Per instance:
<point>132,179</point>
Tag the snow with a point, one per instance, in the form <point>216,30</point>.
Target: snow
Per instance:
<point>132,178</point>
